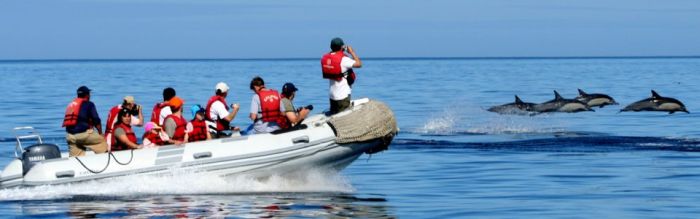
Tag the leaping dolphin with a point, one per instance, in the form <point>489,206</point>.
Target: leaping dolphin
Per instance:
<point>657,103</point>
<point>561,104</point>
<point>595,100</point>
<point>517,108</point>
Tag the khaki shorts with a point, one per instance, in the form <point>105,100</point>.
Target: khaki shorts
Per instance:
<point>80,142</point>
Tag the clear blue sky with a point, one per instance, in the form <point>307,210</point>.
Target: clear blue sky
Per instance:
<point>136,29</point>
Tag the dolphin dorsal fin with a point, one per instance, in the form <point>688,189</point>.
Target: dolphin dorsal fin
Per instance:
<point>557,96</point>
<point>580,92</point>
<point>517,99</point>
<point>655,95</point>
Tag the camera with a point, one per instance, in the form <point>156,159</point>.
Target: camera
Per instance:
<point>309,107</point>
<point>135,110</point>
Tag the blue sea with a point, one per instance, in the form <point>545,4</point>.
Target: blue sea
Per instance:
<point>452,158</point>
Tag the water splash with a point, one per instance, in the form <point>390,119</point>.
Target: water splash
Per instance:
<point>476,121</point>
<point>178,183</point>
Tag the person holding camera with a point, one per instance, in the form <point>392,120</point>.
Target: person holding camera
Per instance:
<point>135,110</point>
<point>338,69</point>
<point>217,111</point>
<point>293,116</point>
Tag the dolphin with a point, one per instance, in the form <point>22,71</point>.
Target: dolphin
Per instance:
<point>561,104</point>
<point>518,108</point>
<point>595,100</point>
<point>657,103</point>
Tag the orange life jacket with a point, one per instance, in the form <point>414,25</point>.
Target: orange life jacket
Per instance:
<point>72,111</point>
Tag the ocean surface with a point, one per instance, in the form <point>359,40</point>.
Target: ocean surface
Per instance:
<point>452,158</point>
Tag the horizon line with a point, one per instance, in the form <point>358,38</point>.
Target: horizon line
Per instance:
<point>368,58</point>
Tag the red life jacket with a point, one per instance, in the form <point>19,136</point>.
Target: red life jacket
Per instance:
<point>199,131</point>
<point>180,129</point>
<point>270,108</point>
<point>155,115</point>
<point>221,124</point>
<point>330,66</point>
<point>72,111</point>
<point>118,145</point>
<point>111,118</point>
<point>153,138</point>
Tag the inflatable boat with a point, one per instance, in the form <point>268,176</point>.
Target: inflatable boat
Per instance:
<point>320,141</point>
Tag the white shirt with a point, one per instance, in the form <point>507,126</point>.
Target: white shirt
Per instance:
<point>165,112</point>
<point>218,110</point>
<point>341,89</point>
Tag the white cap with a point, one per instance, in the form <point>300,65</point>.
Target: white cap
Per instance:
<point>222,87</point>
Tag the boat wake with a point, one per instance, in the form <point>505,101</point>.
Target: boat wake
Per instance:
<point>183,183</point>
<point>592,143</point>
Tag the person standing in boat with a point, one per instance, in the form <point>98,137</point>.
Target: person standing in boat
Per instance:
<point>81,120</point>
<point>217,112</point>
<point>197,129</point>
<point>175,124</point>
<point>161,110</point>
<point>265,109</point>
<point>123,137</point>
<point>293,116</point>
<point>338,69</point>
<point>136,116</point>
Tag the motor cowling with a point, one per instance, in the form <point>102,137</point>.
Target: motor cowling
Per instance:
<point>37,153</point>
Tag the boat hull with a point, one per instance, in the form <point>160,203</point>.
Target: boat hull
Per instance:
<point>314,146</point>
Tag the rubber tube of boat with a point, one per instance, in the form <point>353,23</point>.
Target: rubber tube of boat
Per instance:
<point>37,153</point>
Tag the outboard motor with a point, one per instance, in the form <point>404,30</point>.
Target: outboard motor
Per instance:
<point>37,153</point>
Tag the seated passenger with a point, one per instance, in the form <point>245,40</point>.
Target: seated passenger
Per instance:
<point>197,129</point>
<point>293,116</point>
<point>123,136</point>
<point>217,112</point>
<point>265,109</point>
<point>136,116</point>
<point>154,136</point>
<point>174,125</point>
<point>161,110</point>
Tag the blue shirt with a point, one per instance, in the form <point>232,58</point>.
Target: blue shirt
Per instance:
<point>86,116</point>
